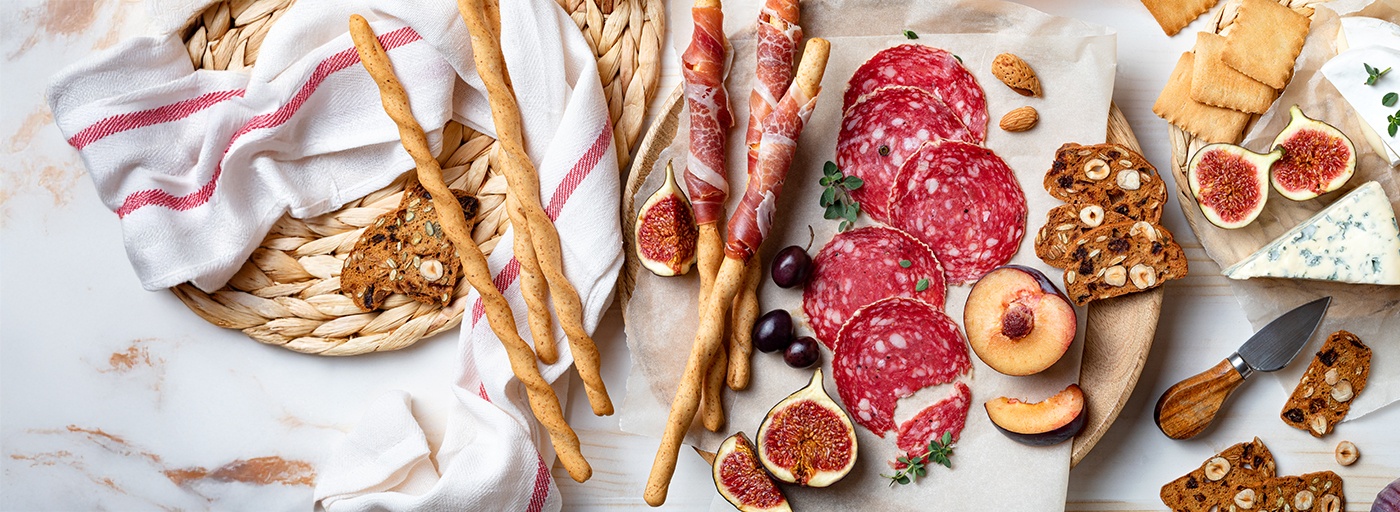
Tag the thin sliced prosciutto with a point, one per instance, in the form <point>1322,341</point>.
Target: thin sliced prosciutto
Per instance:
<point>702,68</point>
<point>778,34</point>
<point>754,217</point>
<point>924,67</point>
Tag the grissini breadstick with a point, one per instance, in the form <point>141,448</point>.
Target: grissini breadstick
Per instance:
<point>543,402</point>
<point>741,326</point>
<point>746,230</point>
<point>712,397</point>
<point>482,19</point>
<point>533,287</point>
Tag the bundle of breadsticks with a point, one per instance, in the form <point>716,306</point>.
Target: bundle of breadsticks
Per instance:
<point>536,240</point>
<point>780,105</point>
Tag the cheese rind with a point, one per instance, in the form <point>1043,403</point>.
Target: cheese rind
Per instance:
<point>1353,240</point>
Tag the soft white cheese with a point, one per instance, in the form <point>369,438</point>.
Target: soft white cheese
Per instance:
<point>1347,72</point>
<point>1353,240</point>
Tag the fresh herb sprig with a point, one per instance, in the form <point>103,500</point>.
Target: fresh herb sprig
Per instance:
<point>837,196</point>
<point>1374,74</point>
<point>1394,122</point>
<point>939,451</point>
<point>909,34</point>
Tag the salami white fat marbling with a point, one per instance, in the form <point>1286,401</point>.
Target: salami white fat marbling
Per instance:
<point>924,67</point>
<point>862,266</point>
<point>889,350</point>
<point>947,415</point>
<point>880,132</point>
<point>965,203</point>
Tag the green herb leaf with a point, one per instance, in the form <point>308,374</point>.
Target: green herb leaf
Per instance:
<point>852,211</point>
<point>828,195</point>
<point>1390,99</point>
<point>905,263</point>
<point>836,196</point>
<point>1369,70</point>
<point>830,169</point>
<point>922,285</point>
<point>844,226</point>
<point>854,182</point>
<point>1393,127</point>
<point>1374,74</point>
<point>955,56</point>
<point>910,34</point>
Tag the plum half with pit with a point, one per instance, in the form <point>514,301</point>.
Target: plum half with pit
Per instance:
<point>1017,321</point>
<point>773,331</point>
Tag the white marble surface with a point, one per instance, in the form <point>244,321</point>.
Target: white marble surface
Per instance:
<point>112,397</point>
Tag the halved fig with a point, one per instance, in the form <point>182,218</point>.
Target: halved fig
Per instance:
<point>666,234</point>
<point>1317,158</point>
<point>1230,183</point>
<point>807,439</point>
<point>1051,421</point>
<point>742,481</point>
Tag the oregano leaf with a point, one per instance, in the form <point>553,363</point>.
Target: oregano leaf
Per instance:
<point>1389,99</point>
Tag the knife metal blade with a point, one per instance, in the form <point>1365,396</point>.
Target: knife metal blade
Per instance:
<point>1279,342</point>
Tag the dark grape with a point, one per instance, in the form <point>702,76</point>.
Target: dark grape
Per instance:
<point>802,353</point>
<point>773,331</point>
<point>791,266</point>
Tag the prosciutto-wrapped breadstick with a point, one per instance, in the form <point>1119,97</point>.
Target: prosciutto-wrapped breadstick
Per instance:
<point>747,229</point>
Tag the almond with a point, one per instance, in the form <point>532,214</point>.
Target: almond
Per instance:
<point>1020,120</point>
<point>1016,74</point>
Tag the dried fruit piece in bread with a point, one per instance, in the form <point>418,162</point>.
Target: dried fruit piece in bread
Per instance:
<point>1118,259</point>
<point>1313,492</point>
<point>1217,480</point>
<point>1336,375</point>
<point>1109,175</point>
<point>405,251</point>
<point>1064,225</point>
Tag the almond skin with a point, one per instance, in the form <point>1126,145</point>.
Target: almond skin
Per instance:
<point>1016,74</point>
<point>1020,120</point>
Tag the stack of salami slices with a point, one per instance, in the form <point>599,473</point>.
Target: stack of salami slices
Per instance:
<point>1107,238</point>
<point>947,209</point>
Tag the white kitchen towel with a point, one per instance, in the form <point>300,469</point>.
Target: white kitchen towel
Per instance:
<point>200,163</point>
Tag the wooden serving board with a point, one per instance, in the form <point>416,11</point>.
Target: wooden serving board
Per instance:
<point>1119,331</point>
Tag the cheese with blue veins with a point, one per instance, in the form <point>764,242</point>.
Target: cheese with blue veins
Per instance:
<point>1353,240</point>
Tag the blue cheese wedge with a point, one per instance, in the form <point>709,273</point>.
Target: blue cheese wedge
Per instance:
<point>1353,240</point>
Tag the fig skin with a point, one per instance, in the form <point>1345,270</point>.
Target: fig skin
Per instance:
<point>1230,183</point>
<point>1388,500</point>
<point>736,454</point>
<point>665,228</point>
<point>813,400</point>
<point>1309,145</point>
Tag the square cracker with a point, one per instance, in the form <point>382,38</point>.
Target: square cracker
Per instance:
<point>1219,85</point>
<point>1173,15</point>
<point>1265,41</point>
<point>1211,124</point>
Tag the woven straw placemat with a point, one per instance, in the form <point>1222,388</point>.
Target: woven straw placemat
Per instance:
<point>288,293</point>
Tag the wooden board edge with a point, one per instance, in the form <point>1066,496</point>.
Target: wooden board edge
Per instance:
<point>657,138</point>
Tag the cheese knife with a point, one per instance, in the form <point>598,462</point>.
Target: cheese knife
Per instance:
<point>1189,406</point>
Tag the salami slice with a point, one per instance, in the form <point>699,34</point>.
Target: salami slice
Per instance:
<point>879,133</point>
<point>947,415</point>
<point>889,350</point>
<point>965,203</point>
<point>864,265</point>
<point>925,67</point>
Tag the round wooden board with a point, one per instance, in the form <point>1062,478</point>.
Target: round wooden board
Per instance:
<point>1118,334</point>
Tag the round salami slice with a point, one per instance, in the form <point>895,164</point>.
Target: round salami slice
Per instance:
<point>965,203</point>
<point>889,350</point>
<point>864,265</point>
<point>947,415</point>
<point>880,132</point>
<point>925,67</point>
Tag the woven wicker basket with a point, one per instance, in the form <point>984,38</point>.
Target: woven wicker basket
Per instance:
<point>288,293</point>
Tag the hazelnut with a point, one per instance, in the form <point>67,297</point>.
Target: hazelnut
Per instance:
<point>1070,276</point>
<point>1329,503</point>
<point>1342,392</point>
<point>1330,377</point>
<point>1143,276</point>
<point>1143,227</point>
<point>1096,169</point>
<point>1308,392</point>
<point>1128,179</point>
<point>1217,468</point>
<point>1115,276</point>
<point>1318,424</point>
<point>1245,499</point>
<point>1303,500</point>
<point>1091,215</point>
<point>431,269</point>
<point>1347,453</point>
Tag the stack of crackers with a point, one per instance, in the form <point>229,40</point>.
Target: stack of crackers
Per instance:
<point>1174,15</point>
<point>1229,77</point>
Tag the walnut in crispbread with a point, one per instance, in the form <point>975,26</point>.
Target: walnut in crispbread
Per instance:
<point>1118,259</point>
<point>1064,225</point>
<point>1108,175</point>
<point>1265,41</point>
<point>1217,480</point>
<point>405,251</point>
<point>1336,375</point>
<point>1174,15</point>
<point>1216,84</point>
<point>1210,124</point>
<point>1311,492</point>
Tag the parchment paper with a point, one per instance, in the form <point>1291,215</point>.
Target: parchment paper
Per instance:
<point>1076,63</point>
<point>1369,311</point>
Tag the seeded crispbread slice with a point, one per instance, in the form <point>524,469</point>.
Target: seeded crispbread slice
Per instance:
<point>1105,175</point>
<point>1118,259</point>
<point>1174,15</point>
<point>1210,124</point>
<point>399,248</point>
<point>1064,225</point>
<point>1314,405</point>
<point>1314,492</point>
<point>1216,84</point>
<point>1248,464</point>
<point>1265,41</point>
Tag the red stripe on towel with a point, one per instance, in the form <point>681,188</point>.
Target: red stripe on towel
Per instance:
<point>162,114</point>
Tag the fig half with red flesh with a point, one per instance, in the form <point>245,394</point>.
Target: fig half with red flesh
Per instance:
<point>1017,321</point>
<point>741,480</point>
<point>665,235</point>
<point>1317,158</point>
<point>807,439</point>
<point>1230,183</point>
<point>1051,421</point>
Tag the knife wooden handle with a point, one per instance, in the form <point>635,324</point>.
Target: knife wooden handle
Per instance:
<point>1189,406</point>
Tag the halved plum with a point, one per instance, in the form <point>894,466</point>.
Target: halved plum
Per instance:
<point>1017,321</point>
<point>1051,421</point>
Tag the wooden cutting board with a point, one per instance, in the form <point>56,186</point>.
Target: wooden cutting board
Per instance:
<point>1118,333</point>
